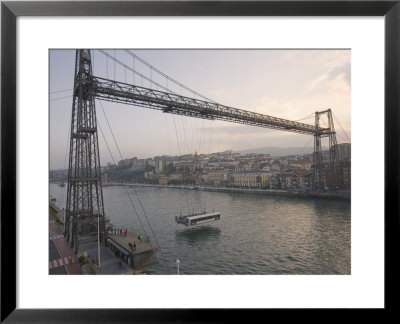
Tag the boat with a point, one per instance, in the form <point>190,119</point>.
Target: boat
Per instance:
<point>196,219</point>
<point>62,184</point>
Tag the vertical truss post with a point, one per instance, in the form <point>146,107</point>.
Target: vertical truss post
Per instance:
<point>321,179</point>
<point>318,183</point>
<point>333,153</point>
<point>84,189</point>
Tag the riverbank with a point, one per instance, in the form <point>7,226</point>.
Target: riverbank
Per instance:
<point>301,193</point>
<point>115,259</point>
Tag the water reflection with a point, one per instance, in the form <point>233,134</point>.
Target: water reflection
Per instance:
<point>198,233</point>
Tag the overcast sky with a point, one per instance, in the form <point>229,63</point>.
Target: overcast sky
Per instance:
<point>290,84</point>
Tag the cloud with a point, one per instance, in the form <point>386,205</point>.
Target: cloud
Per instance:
<point>334,80</point>
<point>334,73</point>
<point>292,109</point>
<point>341,70</point>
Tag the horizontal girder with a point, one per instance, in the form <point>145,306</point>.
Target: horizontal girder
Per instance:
<point>114,91</point>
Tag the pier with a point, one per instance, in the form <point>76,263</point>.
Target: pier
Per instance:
<point>122,254</point>
<point>133,249</point>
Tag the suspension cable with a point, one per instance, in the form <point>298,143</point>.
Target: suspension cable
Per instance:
<point>344,132</point>
<point>307,117</point>
<point>134,71</point>
<point>167,77</point>
<point>61,194</point>
<point>61,98</point>
<point>151,79</point>
<point>60,91</point>
<point>166,125</point>
<point>112,157</point>
<point>134,189</point>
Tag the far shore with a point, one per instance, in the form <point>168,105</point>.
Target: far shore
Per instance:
<point>301,193</point>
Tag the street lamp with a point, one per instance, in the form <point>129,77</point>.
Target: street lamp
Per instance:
<point>177,264</point>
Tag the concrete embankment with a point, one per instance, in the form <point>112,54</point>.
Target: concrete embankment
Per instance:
<point>293,193</point>
<point>340,195</point>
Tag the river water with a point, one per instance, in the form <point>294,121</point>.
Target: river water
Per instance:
<point>257,234</point>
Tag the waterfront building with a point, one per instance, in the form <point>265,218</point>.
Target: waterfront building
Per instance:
<point>215,178</point>
<point>203,163</point>
<point>343,170</point>
<point>273,182</point>
<point>266,168</point>
<point>187,166</point>
<point>149,175</point>
<point>176,176</point>
<point>150,162</point>
<point>344,150</point>
<point>302,179</point>
<point>164,180</point>
<point>158,164</point>
<point>346,167</point>
<point>276,166</point>
<point>284,162</point>
<point>251,179</point>
<point>125,163</point>
<point>285,179</point>
<point>138,164</point>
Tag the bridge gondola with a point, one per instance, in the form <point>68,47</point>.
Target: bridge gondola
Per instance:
<point>197,219</point>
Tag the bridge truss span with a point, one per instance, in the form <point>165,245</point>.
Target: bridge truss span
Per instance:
<point>84,191</point>
<point>114,91</point>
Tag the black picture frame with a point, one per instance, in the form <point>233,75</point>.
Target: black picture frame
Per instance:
<point>10,10</point>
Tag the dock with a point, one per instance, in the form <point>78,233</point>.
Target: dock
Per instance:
<point>123,246</point>
<point>118,248</point>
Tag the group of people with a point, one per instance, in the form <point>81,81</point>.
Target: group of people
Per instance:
<point>124,232</point>
<point>119,231</point>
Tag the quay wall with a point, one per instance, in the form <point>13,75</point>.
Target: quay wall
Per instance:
<point>340,195</point>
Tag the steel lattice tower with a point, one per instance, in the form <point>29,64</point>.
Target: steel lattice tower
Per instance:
<point>320,177</point>
<point>84,189</point>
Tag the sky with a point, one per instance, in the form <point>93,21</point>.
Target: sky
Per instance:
<point>290,84</point>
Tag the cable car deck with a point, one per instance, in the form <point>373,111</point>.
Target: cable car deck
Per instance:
<point>194,219</point>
